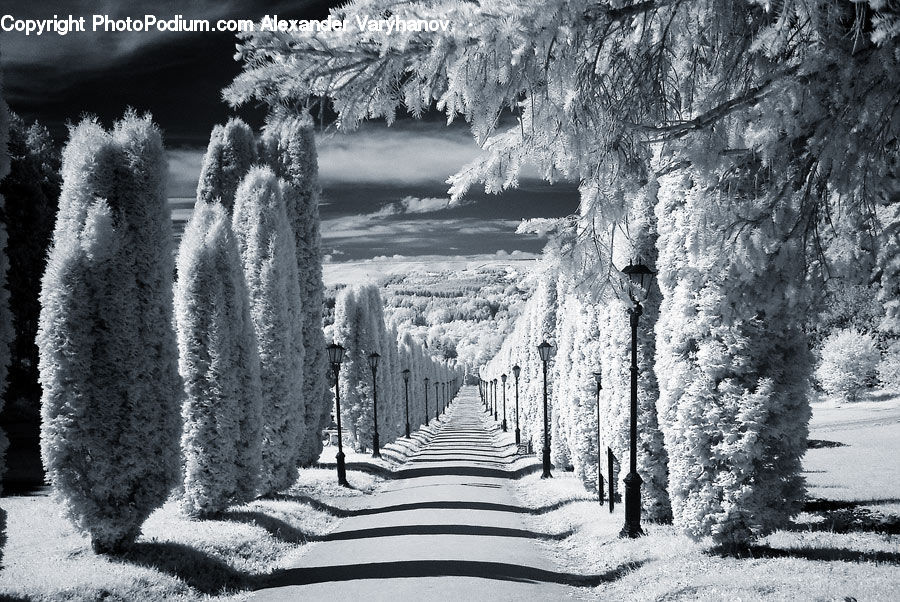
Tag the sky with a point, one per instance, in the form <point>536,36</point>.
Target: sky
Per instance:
<point>384,189</point>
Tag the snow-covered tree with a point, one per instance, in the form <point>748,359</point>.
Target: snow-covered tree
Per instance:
<point>108,352</point>
<point>267,248</point>
<point>848,363</point>
<point>229,156</point>
<point>288,145</point>
<point>732,362</point>
<point>352,329</point>
<point>219,364</point>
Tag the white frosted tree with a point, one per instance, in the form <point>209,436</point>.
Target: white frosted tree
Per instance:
<point>219,364</point>
<point>733,363</point>
<point>230,154</point>
<point>267,247</point>
<point>108,352</point>
<point>352,330</point>
<point>288,145</point>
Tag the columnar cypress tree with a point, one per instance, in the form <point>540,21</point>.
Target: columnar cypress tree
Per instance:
<point>731,358</point>
<point>31,194</point>
<point>289,146</point>
<point>352,329</point>
<point>108,354</point>
<point>267,245</point>
<point>219,364</point>
<point>229,156</point>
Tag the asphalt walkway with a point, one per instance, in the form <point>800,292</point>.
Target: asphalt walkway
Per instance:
<point>447,527</point>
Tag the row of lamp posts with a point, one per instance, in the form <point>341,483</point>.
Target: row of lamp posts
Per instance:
<point>640,279</point>
<point>335,358</point>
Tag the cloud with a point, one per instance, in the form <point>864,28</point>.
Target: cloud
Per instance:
<point>404,153</point>
<point>413,204</point>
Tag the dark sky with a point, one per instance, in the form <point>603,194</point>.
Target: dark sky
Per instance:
<point>382,187</point>
<point>176,76</point>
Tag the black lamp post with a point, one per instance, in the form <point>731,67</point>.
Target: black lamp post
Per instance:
<point>373,364</point>
<point>444,396</point>
<point>426,401</point>
<point>496,405</point>
<point>640,277</point>
<point>436,398</point>
<point>335,357</point>
<point>544,350</point>
<point>503,380</point>
<point>406,386</point>
<point>597,378</point>
<point>516,371</point>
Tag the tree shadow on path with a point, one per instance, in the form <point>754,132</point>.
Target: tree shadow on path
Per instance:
<point>430,505</point>
<point>471,530</point>
<point>442,568</point>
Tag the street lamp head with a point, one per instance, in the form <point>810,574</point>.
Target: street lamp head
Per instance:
<point>335,353</point>
<point>516,371</point>
<point>598,378</point>
<point>503,378</point>
<point>640,277</point>
<point>373,360</point>
<point>544,349</point>
<point>426,381</point>
<point>405,374</point>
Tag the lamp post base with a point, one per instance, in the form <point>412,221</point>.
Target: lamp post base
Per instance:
<point>376,449</point>
<point>518,437</point>
<point>341,470</point>
<point>546,474</point>
<point>503,425</point>
<point>407,430</point>
<point>632,526</point>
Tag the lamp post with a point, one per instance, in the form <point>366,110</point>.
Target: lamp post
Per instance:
<point>373,364</point>
<point>436,397</point>
<point>640,278</point>
<point>503,380</point>
<point>516,371</point>
<point>490,384</point>
<point>495,401</point>
<point>544,351</point>
<point>426,401</point>
<point>597,378</point>
<point>406,386</point>
<point>444,396</point>
<point>335,357</point>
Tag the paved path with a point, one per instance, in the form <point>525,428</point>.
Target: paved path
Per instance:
<point>448,528</point>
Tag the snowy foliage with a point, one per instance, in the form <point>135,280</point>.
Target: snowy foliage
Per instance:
<point>288,146</point>
<point>847,364</point>
<point>108,352</point>
<point>219,364</point>
<point>889,368</point>
<point>360,328</point>
<point>268,255</point>
<point>231,152</point>
<point>732,361</point>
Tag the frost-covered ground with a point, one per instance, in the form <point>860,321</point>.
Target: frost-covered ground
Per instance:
<point>176,558</point>
<point>846,547</point>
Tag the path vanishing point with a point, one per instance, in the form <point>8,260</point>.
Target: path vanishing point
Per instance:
<point>446,527</point>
